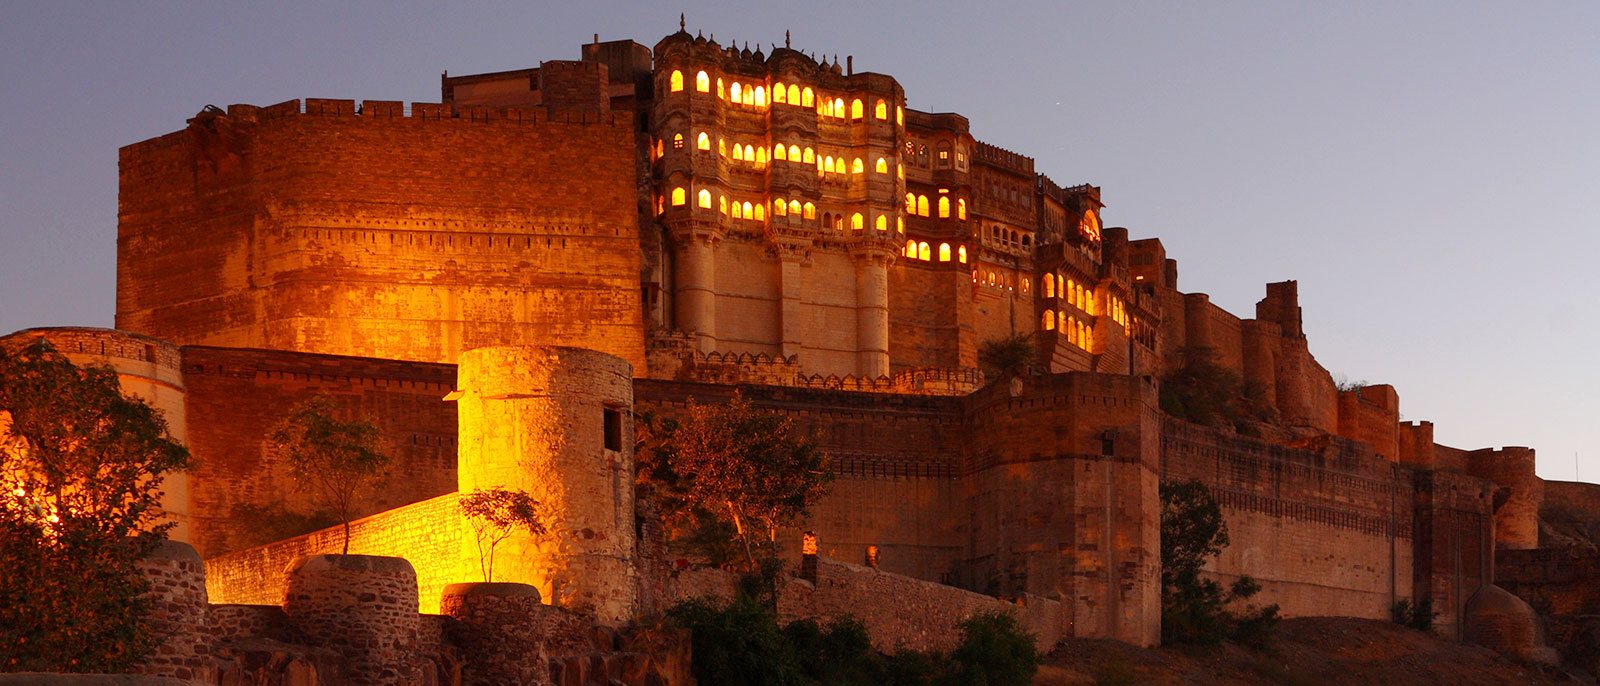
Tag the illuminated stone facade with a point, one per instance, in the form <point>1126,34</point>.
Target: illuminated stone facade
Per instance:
<point>702,219</point>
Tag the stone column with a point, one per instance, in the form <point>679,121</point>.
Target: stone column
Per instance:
<point>696,297</point>
<point>364,607</point>
<point>872,312</point>
<point>179,616</point>
<point>555,423</point>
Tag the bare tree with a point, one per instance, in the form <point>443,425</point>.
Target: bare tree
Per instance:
<point>495,514</point>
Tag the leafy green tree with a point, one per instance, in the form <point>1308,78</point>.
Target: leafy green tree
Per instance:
<point>338,460</point>
<point>754,469</point>
<point>81,467</point>
<point>995,650</point>
<point>494,515</point>
<point>1194,609</point>
<point>1006,357</point>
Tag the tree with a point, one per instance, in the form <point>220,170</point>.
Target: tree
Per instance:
<point>81,467</point>
<point>338,459</point>
<point>495,514</point>
<point>1194,608</point>
<point>1007,357</point>
<point>732,463</point>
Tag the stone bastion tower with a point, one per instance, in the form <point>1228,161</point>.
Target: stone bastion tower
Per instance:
<point>554,422</point>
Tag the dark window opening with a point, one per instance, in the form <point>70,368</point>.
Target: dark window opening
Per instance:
<point>613,429</point>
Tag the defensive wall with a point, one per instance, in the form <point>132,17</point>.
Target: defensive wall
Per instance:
<point>413,235</point>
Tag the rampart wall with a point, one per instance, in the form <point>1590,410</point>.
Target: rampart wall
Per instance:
<point>379,233</point>
<point>237,396</point>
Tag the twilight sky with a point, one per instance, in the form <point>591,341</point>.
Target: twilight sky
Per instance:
<point>1429,172</point>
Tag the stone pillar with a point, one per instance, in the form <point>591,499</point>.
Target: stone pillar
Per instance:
<point>178,614</point>
<point>872,313</point>
<point>696,284</point>
<point>492,619</point>
<point>555,423</point>
<point>364,607</point>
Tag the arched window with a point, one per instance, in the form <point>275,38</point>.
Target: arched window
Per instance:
<point>678,196</point>
<point>944,252</point>
<point>961,208</point>
<point>900,224</point>
<point>720,94</point>
<point>738,211</point>
<point>722,204</point>
<point>677,141</point>
<point>809,158</point>
<point>911,203</point>
<point>794,94</point>
<point>749,97</point>
<point>881,110</point>
<point>1081,304</point>
<point>944,207</point>
<point>677,80</point>
<point>811,211</point>
<point>761,212</point>
<point>780,208</point>
<point>806,97</point>
<point>747,208</point>
<point>779,152</point>
<point>761,157</point>
<point>827,219</point>
<point>722,147</point>
<point>882,166</point>
<point>923,252</point>
<point>961,254</point>
<point>1069,291</point>
<point>1049,286</point>
<point>857,110</point>
<point>838,222</point>
<point>749,152</point>
<point>881,223</point>
<point>911,249</point>
<point>734,91</point>
<point>1090,224</point>
<point>857,223</point>
<point>705,198</point>
<point>838,107</point>
<point>794,153</point>
<point>1071,327</point>
<point>702,82</point>
<point>899,115</point>
<point>1048,321</point>
<point>794,207</point>
<point>738,152</point>
<point>827,164</point>
<point>858,167</point>
<point>703,141</point>
<point>761,96</point>
<point>922,205</point>
<point>778,94</point>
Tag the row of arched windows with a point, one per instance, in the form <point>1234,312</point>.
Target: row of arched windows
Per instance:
<point>1078,333</point>
<point>920,250</point>
<point>1071,291</point>
<point>918,205</point>
<point>755,95</point>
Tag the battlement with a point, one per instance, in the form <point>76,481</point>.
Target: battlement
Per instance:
<point>1003,158</point>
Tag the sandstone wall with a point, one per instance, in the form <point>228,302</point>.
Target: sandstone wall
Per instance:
<point>1326,532</point>
<point>238,396</point>
<point>384,235</point>
<point>930,316</point>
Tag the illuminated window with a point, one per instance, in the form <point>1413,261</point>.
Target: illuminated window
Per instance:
<point>900,171</point>
<point>944,252</point>
<point>899,115</point>
<point>838,222</point>
<point>720,94</point>
<point>794,153</point>
<point>749,153</point>
<point>780,208</point>
<point>722,203</point>
<point>858,167</point>
<point>660,148</point>
<point>761,212</point>
<point>677,80</point>
<point>944,207</point>
<point>703,141</point>
<point>857,223</point>
<point>1048,322</point>
<point>881,110</point>
<point>722,147</point>
<point>780,153</point>
<point>911,203</point>
<point>827,163</point>
<point>825,108</point>
<point>1090,224</point>
<point>911,249</point>
<point>761,157</point>
<point>1071,327</point>
<point>761,96</point>
<point>677,141</point>
<point>857,110</point>
<point>808,157</point>
<point>738,152</point>
<point>678,197</point>
<point>734,92</point>
<point>900,224</point>
<point>702,82</point>
<point>738,211</point>
<point>810,211</point>
<point>794,94</point>
<point>778,94</point>
<point>747,213</point>
<point>922,205</point>
<point>705,198</point>
<point>924,253</point>
<point>749,97</point>
<point>881,223</point>
<point>991,278</point>
<point>882,166</point>
<point>838,107</point>
<point>961,208</point>
<point>961,254</point>
<point>794,207</point>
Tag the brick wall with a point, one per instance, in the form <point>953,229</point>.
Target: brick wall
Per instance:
<point>383,235</point>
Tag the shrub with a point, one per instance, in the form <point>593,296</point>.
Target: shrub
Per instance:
<point>1418,616</point>
<point>995,651</point>
<point>1193,607</point>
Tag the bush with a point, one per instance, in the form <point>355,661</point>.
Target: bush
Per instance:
<point>1194,609</point>
<point>737,643</point>
<point>995,651</point>
<point>1418,616</point>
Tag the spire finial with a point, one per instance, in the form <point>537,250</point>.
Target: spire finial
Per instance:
<point>786,38</point>
<point>682,24</point>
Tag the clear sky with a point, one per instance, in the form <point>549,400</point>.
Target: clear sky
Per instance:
<point>1429,172</point>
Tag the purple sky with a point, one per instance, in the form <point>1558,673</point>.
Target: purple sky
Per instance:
<point>1428,172</point>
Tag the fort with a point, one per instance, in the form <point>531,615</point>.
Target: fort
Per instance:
<point>502,278</point>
